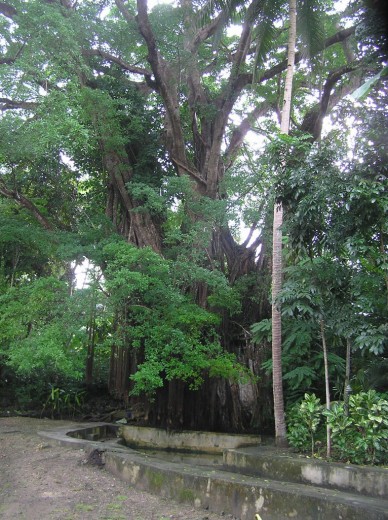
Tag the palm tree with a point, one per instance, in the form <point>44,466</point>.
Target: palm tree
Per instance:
<point>280,424</point>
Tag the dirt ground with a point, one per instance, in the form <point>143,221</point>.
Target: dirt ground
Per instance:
<point>41,481</point>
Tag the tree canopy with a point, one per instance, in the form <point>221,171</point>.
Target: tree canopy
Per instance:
<point>145,139</point>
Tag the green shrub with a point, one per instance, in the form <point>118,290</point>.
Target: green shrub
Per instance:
<point>303,422</point>
<point>361,435</point>
<point>61,402</point>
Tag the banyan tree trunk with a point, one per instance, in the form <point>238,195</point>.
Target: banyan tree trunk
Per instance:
<point>118,384</point>
<point>219,404</point>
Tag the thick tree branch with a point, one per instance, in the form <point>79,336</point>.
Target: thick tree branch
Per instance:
<point>125,12</point>
<point>331,80</point>
<point>215,168</point>
<point>241,131</point>
<point>142,230</point>
<point>246,79</point>
<point>10,104</point>
<point>206,32</point>
<point>255,244</point>
<point>312,122</point>
<point>225,101</point>
<point>120,173</point>
<point>197,97</point>
<point>160,68</point>
<point>240,259</point>
<point>192,173</point>
<point>26,203</point>
<point>7,10</point>
<point>230,92</point>
<point>196,91</point>
<point>168,89</point>
<point>252,229</point>
<point>355,81</point>
<point>244,41</point>
<point>339,37</point>
<point>118,61</point>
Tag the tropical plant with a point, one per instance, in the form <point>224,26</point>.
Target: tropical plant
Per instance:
<point>277,243</point>
<point>178,338</point>
<point>303,421</point>
<point>360,435</point>
<point>358,430</point>
<point>61,402</point>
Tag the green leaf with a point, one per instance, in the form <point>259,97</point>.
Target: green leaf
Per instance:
<point>362,91</point>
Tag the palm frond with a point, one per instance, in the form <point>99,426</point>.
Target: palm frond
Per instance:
<point>265,32</point>
<point>266,9</point>
<point>212,8</point>
<point>226,11</point>
<point>310,23</point>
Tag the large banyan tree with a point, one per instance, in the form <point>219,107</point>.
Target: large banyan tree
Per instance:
<point>150,124</point>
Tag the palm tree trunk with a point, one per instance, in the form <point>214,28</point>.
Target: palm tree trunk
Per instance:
<point>280,423</point>
<point>287,101</point>
<point>327,387</point>
<point>347,377</point>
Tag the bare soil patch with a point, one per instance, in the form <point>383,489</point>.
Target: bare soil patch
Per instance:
<point>42,481</point>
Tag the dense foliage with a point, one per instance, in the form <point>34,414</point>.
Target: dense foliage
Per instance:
<point>359,429</point>
<point>144,141</point>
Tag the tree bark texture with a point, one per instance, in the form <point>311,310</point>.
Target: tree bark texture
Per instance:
<point>277,263</point>
<point>347,377</point>
<point>327,386</point>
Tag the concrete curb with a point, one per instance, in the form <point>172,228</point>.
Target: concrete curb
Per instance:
<point>266,463</point>
<point>243,497</point>
<point>222,491</point>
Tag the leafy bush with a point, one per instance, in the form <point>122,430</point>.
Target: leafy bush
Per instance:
<point>62,402</point>
<point>44,338</point>
<point>38,325</point>
<point>359,435</point>
<point>178,339</point>
<point>304,420</point>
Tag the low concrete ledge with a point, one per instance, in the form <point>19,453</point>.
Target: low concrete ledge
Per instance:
<point>97,432</point>
<point>221,491</point>
<point>85,436</point>
<point>281,465</point>
<point>210,442</point>
<point>243,497</point>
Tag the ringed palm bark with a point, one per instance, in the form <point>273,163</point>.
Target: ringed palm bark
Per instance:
<point>280,424</point>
